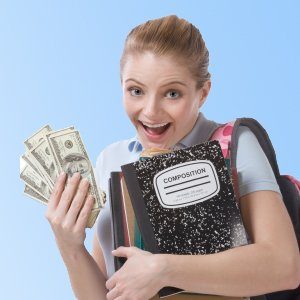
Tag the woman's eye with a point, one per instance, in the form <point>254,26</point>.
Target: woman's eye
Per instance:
<point>173,94</point>
<point>133,90</point>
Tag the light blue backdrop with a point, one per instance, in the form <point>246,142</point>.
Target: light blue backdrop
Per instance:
<point>59,64</point>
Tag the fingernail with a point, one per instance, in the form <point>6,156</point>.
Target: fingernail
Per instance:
<point>62,174</point>
<point>75,175</point>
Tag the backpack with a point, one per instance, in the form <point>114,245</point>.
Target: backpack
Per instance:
<point>289,186</point>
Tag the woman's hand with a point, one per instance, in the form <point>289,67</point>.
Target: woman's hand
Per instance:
<point>68,210</point>
<point>140,278</point>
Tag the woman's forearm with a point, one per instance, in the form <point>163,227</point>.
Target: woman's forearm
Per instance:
<point>243,271</point>
<point>87,280</point>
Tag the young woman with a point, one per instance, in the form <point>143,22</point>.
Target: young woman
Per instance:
<point>165,81</point>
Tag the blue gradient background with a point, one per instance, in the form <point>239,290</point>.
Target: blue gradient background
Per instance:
<point>59,64</point>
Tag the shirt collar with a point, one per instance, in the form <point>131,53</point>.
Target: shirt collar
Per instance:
<point>134,144</point>
<point>201,132</point>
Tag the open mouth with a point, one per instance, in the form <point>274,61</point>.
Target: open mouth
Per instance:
<point>156,131</point>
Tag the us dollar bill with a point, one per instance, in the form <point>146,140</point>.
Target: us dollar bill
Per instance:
<point>40,157</point>
<point>43,159</point>
<point>34,195</point>
<point>47,154</point>
<point>35,182</point>
<point>26,157</point>
<point>71,156</point>
<point>35,139</point>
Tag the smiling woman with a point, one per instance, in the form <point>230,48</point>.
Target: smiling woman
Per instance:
<point>164,107</point>
<point>165,81</point>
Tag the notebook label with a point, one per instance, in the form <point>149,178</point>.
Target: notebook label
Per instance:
<point>186,184</point>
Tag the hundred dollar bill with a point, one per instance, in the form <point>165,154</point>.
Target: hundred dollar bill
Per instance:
<point>26,160</point>
<point>71,155</point>
<point>92,218</point>
<point>35,139</point>
<point>43,158</point>
<point>34,195</point>
<point>40,156</point>
<point>22,163</point>
<point>35,182</point>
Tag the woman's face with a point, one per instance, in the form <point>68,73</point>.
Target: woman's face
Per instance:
<point>163,111</point>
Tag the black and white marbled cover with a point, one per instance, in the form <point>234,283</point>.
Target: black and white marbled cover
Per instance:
<point>208,226</point>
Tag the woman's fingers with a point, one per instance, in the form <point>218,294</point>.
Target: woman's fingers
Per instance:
<point>70,202</point>
<point>57,192</point>
<point>84,213</point>
<point>113,293</point>
<point>68,194</point>
<point>67,204</point>
<point>77,202</point>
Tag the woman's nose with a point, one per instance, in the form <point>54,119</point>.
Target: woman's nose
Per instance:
<point>152,107</point>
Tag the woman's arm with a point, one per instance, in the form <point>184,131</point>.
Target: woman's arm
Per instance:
<point>68,210</point>
<point>270,264</point>
<point>97,254</point>
<point>87,280</point>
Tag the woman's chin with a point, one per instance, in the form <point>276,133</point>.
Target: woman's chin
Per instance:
<point>157,146</point>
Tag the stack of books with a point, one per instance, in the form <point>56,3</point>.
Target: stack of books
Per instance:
<point>176,202</point>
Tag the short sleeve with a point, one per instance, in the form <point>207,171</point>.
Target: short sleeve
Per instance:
<point>97,170</point>
<point>254,170</point>
<point>101,179</point>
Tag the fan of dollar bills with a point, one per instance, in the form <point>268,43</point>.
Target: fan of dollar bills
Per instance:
<point>47,154</point>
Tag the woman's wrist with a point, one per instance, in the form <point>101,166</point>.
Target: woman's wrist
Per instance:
<point>163,268</point>
<point>72,253</point>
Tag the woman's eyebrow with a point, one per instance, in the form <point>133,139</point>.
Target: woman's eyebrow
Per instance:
<point>171,82</point>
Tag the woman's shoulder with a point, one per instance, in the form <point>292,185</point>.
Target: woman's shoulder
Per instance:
<point>253,167</point>
<point>114,155</point>
<point>110,159</point>
<point>245,132</point>
<point>118,148</point>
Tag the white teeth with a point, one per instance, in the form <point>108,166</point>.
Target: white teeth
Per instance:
<point>155,125</point>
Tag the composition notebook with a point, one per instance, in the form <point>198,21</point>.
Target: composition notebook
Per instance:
<point>124,226</point>
<point>118,219</point>
<point>126,233</point>
<point>184,202</point>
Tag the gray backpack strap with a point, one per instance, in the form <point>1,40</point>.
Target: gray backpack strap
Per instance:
<point>290,195</point>
<point>262,137</point>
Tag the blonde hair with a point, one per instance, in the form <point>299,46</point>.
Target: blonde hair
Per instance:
<point>170,36</point>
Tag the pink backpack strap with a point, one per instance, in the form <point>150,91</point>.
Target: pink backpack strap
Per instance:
<point>223,134</point>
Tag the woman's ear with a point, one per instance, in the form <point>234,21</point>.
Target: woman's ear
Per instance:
<point>204,91</point>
